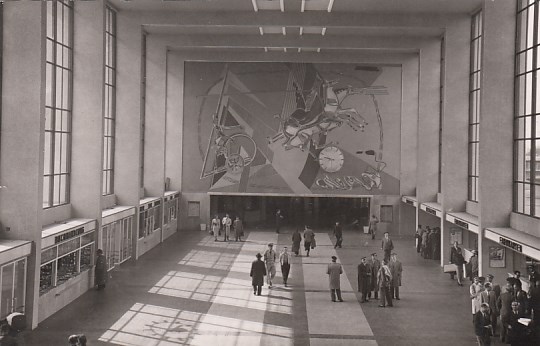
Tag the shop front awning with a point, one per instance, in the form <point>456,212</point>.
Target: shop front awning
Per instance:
<point>515,240</point>
<point>411,200</point>
<point>463,220</point>
<point>11,250</point>
<point>432,208</point>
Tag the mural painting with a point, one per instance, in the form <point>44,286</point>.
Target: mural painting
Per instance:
<point>292,128</point>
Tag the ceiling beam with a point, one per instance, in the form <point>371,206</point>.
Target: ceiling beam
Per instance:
<point>310,18</point>
<point>294,41</point>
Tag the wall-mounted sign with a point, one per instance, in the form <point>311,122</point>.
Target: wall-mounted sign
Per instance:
<point>68,235</point>
<point>510,244</point>
<point>408,201</point>
<point>431,211</point>
<point>497,256</point>
<point>461,223</point>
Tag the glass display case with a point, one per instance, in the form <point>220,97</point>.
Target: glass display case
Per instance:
<point>13,287</point>
<point>116,241</point>
<point>149,219</point>
<point>66,260</point>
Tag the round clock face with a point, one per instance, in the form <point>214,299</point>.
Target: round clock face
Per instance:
<point>331,159</point>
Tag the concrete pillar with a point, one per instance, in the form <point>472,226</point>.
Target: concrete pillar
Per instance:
<point>87,118</point>
<point>154,135</point>
<point>23,105</point>
<point>497,116</point>
<point>428,127</point>
<point>174,121</point>
<point>455,124</point>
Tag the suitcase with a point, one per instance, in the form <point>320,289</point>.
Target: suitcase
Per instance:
<point>449,268</point>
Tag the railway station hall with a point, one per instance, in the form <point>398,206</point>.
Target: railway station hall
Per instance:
<point>270,172</point>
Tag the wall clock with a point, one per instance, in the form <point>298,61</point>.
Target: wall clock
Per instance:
<point>331,159</point>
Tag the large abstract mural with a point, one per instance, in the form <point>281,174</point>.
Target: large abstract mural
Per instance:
<point>291,128</point>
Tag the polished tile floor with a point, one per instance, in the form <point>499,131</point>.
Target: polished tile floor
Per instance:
<point>191,290</point>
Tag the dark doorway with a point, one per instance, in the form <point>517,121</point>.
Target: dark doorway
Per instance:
<point>318,212</point>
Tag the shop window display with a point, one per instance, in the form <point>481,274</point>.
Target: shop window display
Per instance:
<point>67,268</point>
<point>46,277</point>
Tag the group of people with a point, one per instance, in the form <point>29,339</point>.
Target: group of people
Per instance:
<point>228,227</point>
<point>518,311</point>
<point>380,278</point>
<point>260,268</point>
<point>428,242</point>
<point>457,258</point>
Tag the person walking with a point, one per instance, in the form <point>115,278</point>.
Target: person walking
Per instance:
<point>257,273</point>
<point>397,270</point>
<point>270,258</point>
<point>227,222</point>
<point>309,240</point>
<point>216,225</point>
<point>482,325</point>
<point>453,253</point>
<point>373,226</point>
<point>459,261</point>
<point>285,262</point>
<point>101,275</point>
<point>418,238</point>
<point>279,218</point>
<point>338,233</point>
<point>364,273</point>
<point>387,246</point>
<point>384,281</point>
<point>238,229</point>
<point>296,240</point>
<point>375,265</point>
<point>334,272</point>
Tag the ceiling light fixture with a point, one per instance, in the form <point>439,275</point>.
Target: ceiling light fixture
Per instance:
<point>301,30</point>
<point>303,8</point>
<point>255,7</point>
<point>323,31</point>
<point>299,50</point>
<point>318,50</point>
<point>284,31</point>
<point>282,5</point>
<point>266,49</point>
<point>261,30</point>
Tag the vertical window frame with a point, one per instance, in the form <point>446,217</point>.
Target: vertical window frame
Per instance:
<point>109,104</point>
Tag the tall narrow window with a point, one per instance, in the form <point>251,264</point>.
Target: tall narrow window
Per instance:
<point>474,104</point>
<point>109,111</point>
<point>527,111</point>
<point>58,105</point>
<point>441,111</point>
<point>143,109</point>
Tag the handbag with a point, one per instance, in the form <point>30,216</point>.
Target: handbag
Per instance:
<point>313,243</point>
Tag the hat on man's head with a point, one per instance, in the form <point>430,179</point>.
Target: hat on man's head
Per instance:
<point>363,258</point>
<point>270,244</point>
<point>258,255</point>
<point>490,276</point>
<point>334,258</point>
<point>374,254</point>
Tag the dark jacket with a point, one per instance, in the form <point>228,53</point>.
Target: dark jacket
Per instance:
<point>481,322</point>
<point>453,255</point>
<point>364,272</point>
<point>101,270</point>
<point>516,331</point>
<point>338,232</point>
<point>504,303</point>
<point>257,273</point>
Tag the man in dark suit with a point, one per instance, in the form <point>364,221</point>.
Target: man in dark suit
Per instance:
<point>338,232</point>
<point>258,271</point>
<point>453,256</point>
<point>364,273</point>
<point>482,325</point>
<point>387,246</point>
<point>504,305</point>
<point>397,269</point>
<point>517,332</point>
<point>375,265</point>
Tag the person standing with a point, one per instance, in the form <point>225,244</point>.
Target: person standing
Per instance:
<point>418,238</point>
<point>257,273</point>
<point>334,272</point>
<point>473,261</point>
<point>459,261</point>
<point>489,297</point>
<point>279,218</point>
<point>375,266</point>
<point>504,305</point>
<point>373,221</point>
<point>534,300</point>
<point>475,290</point>
<point>453,253</point>
<point>387,246</point>
<point>384,281</point>
<point>238,229</point>
<point>494,286</point>
<point>517,333</point>
<point>425,235</point>
<point>364,273</point>
<point>285,262</point>
<point>338,232</point>
<point>296,240</point>
<point>482,325</point>
<point>101,270</point>
<point>396,276</point>
<point>227,222</point>
<point>270,258</point>
<point>216,224</point>
<point>309,239</point>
